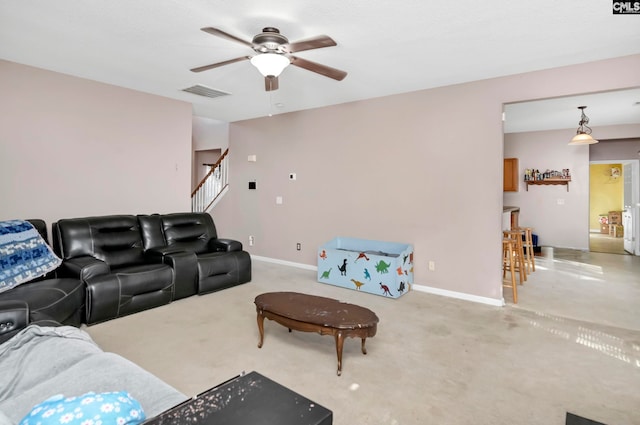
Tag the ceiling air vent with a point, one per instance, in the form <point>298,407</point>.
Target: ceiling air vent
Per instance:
<point>205,91</point>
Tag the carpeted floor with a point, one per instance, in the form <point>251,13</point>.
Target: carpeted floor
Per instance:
<point>434,360</point>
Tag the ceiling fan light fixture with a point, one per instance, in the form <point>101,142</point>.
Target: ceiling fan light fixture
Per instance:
<point>270,64</point>
<point>583,134</point>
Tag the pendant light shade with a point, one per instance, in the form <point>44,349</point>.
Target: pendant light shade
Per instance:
<point>270,64</point>
<point>582,139</point>
<point>583,134</point>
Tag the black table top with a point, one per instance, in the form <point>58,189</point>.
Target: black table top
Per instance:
<point>251,399</point>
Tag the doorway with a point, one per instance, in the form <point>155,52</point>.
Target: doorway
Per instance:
<point>203,160</point>
<point>606,193</point>
<point>613,190</point>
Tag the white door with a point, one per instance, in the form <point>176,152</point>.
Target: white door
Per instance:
<point>630,212</point>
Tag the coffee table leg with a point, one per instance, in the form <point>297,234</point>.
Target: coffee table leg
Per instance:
<point>364,350</point>
<point>339,345</point>
<point>260,327</point>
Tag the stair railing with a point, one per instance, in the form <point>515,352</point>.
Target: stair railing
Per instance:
<point>212,186</point>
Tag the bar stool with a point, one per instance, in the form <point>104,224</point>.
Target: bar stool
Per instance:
<point>527,245</point>
<point>518,253</point>
<point>508,249</point>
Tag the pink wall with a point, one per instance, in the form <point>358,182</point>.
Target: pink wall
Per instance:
<point>71,147</point>
<point>207,135</point>
<point>628,148</point>
<point>423,168</point>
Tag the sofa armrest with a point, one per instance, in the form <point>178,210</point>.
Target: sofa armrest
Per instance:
<point>14,316</point>
<point>83,268</point>
<point>224,245</point>
<point>184,265</point>
<point>158,254</point>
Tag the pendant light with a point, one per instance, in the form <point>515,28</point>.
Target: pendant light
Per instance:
<point>583,134</point>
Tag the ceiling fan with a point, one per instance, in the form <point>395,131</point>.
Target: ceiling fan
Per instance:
<point>274,53</point>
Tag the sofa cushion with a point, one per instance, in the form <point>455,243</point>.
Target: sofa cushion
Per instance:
<point>37,354</point>
<point>100,372</point>
<point>144,278</point>
<point>40,362</point>
<point>216,263</point>
<point>24,254</point>
<point>128,290</point>
<point>4,419</point>
<point>221,270</point>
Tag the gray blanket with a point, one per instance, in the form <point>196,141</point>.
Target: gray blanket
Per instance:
<point>40,362</point>
<point>38,353</point>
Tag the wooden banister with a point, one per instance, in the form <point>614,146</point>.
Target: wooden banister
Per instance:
<point>211,171</point>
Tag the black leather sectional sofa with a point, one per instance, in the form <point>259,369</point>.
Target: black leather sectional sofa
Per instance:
<point>47,299</point>
<point>121,264</point>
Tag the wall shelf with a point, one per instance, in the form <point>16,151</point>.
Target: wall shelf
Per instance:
<point>546,182</point>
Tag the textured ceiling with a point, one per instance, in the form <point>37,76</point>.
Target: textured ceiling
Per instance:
<point>387,47</point>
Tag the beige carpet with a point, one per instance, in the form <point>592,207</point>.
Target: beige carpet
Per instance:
<point>435,360</point>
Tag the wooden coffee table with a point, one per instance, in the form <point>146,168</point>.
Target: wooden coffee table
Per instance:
<point>310,313</point>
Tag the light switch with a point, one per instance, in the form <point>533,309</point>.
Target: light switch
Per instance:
<point>279,200</point>
<point>252,158</point>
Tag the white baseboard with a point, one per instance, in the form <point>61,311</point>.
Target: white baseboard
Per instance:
<point>458,295</point>
<point>284,263</point>
<point>419,288</point>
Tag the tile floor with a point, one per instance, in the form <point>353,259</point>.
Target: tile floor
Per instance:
<point>595,287</point>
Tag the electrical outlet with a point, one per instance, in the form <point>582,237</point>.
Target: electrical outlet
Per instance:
<point>298,246</point>
<point>432,266</point>
<point>251,240</point>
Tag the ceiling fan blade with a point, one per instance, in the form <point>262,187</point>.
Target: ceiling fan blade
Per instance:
<point>327,71</point>
<point>270,83</point>
<point>215,65</point>
<point>220,33</point>
<point>311,43</point>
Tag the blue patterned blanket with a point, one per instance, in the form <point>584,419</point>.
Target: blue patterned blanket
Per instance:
<point>24,254</point>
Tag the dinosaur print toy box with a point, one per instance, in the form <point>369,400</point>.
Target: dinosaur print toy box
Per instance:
<point>381,268</point>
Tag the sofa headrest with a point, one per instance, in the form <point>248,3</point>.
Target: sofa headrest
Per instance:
<point>189,231</point>
<point>114,239</point>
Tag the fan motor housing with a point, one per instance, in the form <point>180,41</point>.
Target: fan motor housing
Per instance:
<point>269,40</point>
